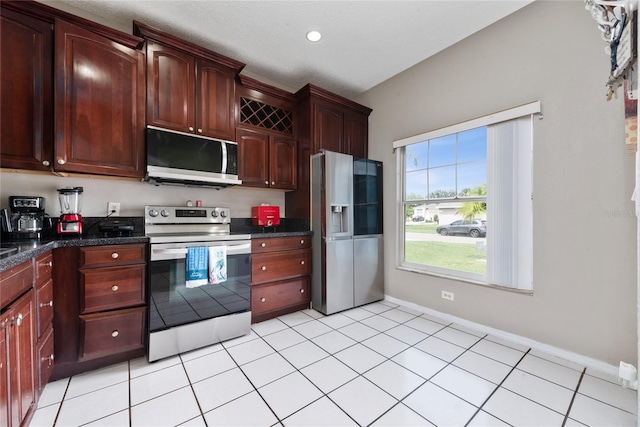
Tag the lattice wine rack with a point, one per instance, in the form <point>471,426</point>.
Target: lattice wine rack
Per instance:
<point>265,116</point>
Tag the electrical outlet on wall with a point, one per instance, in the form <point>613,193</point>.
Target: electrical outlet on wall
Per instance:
<point>113,209</point>
<point>447,295</point>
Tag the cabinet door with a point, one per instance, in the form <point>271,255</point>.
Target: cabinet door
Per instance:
<point>26,108</point>
<point>215,94</point>
<point>21,355</point>
<point>329,127</point>
<point>282,162</point>
<point>99,100</point>
<point>253,158</point>
<point>170,88</point>
<point>4,371</point>
<point>356,131</point>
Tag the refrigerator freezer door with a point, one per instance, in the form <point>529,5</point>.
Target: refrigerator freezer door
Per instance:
<point>368,269</point>
<point>338,280</point>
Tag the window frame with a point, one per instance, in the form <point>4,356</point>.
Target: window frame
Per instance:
<point>492,119</point>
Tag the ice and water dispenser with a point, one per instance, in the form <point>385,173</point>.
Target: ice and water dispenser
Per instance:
<point>339,221</point>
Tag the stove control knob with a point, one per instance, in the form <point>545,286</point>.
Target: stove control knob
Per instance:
<point>153,213</point>
<point>164,213</point>
<point>214,214</point>
<point>223,214</point>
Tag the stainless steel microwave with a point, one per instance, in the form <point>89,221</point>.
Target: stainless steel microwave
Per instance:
<point>180,158</point>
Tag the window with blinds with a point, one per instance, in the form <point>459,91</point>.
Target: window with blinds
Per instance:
<point>465,200</point>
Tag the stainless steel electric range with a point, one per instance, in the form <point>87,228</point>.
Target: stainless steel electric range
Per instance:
<point>183,318</point>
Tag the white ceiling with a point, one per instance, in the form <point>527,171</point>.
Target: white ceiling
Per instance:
<point>364,42</point>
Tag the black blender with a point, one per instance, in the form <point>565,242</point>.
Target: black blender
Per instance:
<point>70,206</point>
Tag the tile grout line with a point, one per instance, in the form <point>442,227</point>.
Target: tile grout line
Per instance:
<point>575,392</point>
<point>497,387</point>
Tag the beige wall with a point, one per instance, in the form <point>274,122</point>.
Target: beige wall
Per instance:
<point>584,228</point>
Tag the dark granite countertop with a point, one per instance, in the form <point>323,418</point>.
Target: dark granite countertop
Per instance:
<point>25,250</point>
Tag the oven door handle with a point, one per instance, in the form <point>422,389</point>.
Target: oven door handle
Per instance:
<point>171,251</point>
<point>158,254</point>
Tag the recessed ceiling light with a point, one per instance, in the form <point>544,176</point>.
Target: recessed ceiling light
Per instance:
<point>314,36</point>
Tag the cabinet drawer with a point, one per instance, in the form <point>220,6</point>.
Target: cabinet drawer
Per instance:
<point>100,256</point>
<point>268,244</point>
<point>111,288</point>
<point>45,359</point>
<point>44,306</point>
<point>275,296</point>
<point>44,267</point>
<point>14,281</point>
<point>103,334</point>
<point>280,265</point>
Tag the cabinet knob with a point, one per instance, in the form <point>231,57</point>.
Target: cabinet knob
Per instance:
<point>264,268</point>
<point>263,244</point>
<point>302,241</point>
<point>46,304</point>
<point>199,130</point>
<point>115,333</point>
<point>302,262</point>
<point>49,359</point>
<point>61,161</point>
<point>266,182</point>
<point>49,264</point>
<point>114,288</point>
<point>18,320</point>
<point>114,255</point>
<point>273,183</point>
<point>190,128</point>
<point>263,299</point>
<point>302,291</point>
<point>46,163</point>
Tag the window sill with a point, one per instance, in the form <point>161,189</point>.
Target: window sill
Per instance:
<point>463,280</point>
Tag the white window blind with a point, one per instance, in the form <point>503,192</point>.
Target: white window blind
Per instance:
<point>510,216</point>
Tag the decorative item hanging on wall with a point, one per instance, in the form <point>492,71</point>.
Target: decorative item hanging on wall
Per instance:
<point>616,20</point>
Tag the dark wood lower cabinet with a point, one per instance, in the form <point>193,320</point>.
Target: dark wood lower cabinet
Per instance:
<point>99,307</point>
<point>280,276</point>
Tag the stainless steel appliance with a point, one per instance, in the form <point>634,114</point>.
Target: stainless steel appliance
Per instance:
<point>184,159</point>
<point>26,218</point>
<point>336,285</point>
<point>183,318</point>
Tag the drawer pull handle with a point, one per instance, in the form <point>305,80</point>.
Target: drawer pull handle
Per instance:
<point>263,299</point>
<point>114,288</point>
<point>302,241</point>
<point>48,359</point>
<point>48,264</point>
<point>46,304</point>
<point>264,268</point>
<point>263,244</point>
<point>302,262</point>
<point>114,255</point>
<point>302,291</point>
<point>115,333</point>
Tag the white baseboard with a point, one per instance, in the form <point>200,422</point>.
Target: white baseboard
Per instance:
<point>588,362</point>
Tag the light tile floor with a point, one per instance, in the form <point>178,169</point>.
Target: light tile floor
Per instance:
<point>380,365</point>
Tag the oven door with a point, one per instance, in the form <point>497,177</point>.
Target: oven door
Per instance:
<point>172,304</point>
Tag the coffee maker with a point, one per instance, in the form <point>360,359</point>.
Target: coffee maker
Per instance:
<point>70,206</point>
<point>26,218</point>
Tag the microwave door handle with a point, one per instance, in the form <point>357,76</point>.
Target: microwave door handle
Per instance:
<point>224,156</point>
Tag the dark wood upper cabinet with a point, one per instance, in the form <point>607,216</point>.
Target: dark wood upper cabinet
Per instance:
<point>170,88</point>
<point>325,121</point>
<point>266,144</point>
<point>99,102</point>
<point>26,108</point>
<point>189,88</point>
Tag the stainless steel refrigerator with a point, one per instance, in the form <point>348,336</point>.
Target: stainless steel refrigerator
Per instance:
<point>347,265</point>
